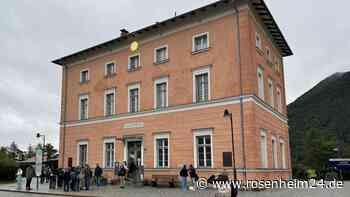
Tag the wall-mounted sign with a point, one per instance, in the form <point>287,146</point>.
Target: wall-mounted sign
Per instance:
<point>134,47</point>
<point>133,125</point>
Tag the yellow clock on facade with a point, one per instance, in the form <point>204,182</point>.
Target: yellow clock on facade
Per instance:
<point>134,46</point>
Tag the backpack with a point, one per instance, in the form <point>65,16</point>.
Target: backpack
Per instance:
<point>122,171</point>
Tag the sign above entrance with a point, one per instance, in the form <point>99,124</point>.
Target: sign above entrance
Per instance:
<point>134,125</point>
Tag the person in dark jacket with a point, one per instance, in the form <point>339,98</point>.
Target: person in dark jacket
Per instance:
<point>193,175</point>
<point>183,177</point>
<point>66,180</point>
<point>30,173</point>
<point>98,175</point>
<point>87,176</point>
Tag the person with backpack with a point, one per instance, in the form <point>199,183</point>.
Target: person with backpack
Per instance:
<point>183,177</point>
<point>121,174</point>
<point>194,177</point>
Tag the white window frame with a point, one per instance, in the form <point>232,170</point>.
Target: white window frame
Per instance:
<point>81,75</point>
<point>81,97</point>
<point>134,86</point>
<point>194,87</point>
<point>283,153</point>
<point>274,154</point>
<point>202,132</point>
<point>156,137</point>
<point>263,150</point>
<point>261,86</point>
<point>166,54</point>
<point>109,91</point>
<point>258,44</point>
<point>105,141</point>
<point>279,99</point>
<point>159,81</point>
<point>114,70</point>
<point>139,63</point>
<point>199,35</point>
<point>85,142</point>
<point>271,92</point>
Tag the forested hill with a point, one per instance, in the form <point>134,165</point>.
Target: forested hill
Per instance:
<point>319,122</point>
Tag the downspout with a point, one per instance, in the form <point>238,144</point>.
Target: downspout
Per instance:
<point>64,114</point>
<point>238,46</point>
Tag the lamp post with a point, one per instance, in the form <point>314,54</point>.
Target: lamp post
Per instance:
<point>234,190</point>
<point>38,135</point>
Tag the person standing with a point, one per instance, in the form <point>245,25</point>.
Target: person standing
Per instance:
<point>30,173</point>
<point>98,175</point>
<point>19,178</point>
<point>121,173</point>
<point>66,180</point>
<point>193,175</point>
<point>87,176</point>
<point>183,177</point>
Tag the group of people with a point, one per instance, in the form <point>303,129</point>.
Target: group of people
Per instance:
<point>79,178</point>
<point>188,172</point>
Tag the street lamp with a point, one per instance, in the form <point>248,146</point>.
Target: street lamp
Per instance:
<point>234,190</point>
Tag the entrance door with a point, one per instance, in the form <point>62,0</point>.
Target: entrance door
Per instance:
<point>134,152</point>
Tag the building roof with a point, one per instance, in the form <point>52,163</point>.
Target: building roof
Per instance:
<point>259,6</point>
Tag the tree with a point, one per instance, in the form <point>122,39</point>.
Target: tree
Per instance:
<point>50,151</point>
<point>30,152</point>
<point>14,151</point>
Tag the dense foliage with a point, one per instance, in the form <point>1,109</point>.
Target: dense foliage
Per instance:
<point>319,124</point>
<point>8,167</point>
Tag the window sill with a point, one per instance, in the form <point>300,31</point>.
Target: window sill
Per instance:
<point>84,82</point>
<point>110,75</point>
<point>161,62</point>
<point>200,51</point>
<point>134,69</point>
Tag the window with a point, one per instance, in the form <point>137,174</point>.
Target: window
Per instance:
<point>109,146</point>
<point>258,41</point>
<point>268,54</point>
<point>161,93</point>
<point>134,62</point>
<point>161,54</point>
<point>161,151</point>
<point>263,149</point>
<point>134,98</point>
<point>200,42</point>
<point>84,76</point>
<point>203,149</point>
<point>283,154</point>
<point>83,107</point>
<point>201,85</point>
<point>274,153</point>
<point>261,83</point>
<point>110,69</point>
<point>271,94</point>
<point>82,153</point>
<point>110,102</point>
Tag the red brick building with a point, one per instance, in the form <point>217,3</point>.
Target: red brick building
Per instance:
<point>163,101</point>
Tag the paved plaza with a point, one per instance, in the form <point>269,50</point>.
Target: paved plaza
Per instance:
<point>131,191</point>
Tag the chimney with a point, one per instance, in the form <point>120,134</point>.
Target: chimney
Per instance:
<point>123,32</point>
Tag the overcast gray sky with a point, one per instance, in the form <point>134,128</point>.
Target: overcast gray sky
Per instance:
<point>34,32</point>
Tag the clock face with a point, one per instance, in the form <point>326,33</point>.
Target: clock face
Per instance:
<point>134,46</point>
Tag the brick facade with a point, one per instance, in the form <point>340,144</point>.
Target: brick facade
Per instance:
<point>183,117</point>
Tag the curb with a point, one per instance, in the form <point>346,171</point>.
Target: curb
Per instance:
<point>44,193</point>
